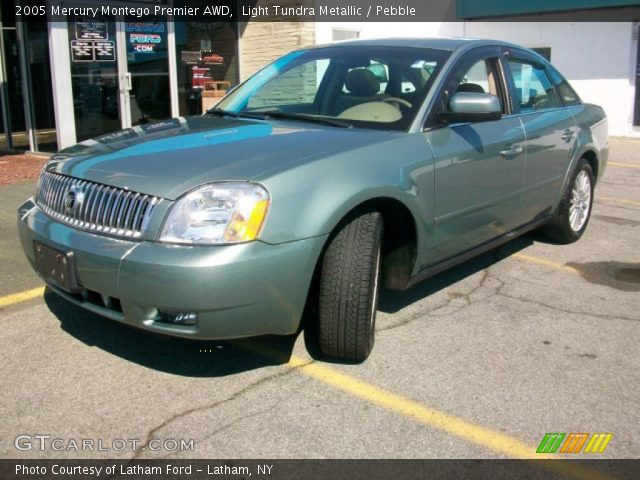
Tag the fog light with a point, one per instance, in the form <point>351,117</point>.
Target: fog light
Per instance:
<point>179,318</point>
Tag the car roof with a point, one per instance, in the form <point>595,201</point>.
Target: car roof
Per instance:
<point>440,43</point>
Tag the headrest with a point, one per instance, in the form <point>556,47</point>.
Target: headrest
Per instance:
<point>362,82</point>
<point>471,88</point>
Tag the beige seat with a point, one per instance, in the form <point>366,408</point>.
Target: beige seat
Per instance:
<point>363,87</point>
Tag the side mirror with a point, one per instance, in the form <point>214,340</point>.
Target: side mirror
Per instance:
<point>466,107</point>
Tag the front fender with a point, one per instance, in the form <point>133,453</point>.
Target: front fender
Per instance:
<point>310,199</point>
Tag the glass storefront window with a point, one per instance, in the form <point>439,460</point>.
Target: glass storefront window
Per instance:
<point>207,59</point>
<point>14,93</point>
<point>41,91</point>
<point>95,82</point>
<point>35,73</point>
<point>148,66</point>
<point>120,73</point>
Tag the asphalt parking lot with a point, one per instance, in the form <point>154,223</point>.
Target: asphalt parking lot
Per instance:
<point>479,362</point>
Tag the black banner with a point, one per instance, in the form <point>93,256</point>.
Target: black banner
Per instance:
<point>319,469</point>
<point>308,10</point>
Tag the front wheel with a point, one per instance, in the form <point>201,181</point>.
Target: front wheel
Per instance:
<point>571,219</point>
<point>349,285</point>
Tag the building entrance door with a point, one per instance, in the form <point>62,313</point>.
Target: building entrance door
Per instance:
<point>146,87</point>
<point>120,73</point>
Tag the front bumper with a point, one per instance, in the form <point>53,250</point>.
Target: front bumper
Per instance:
<point>236,290</point>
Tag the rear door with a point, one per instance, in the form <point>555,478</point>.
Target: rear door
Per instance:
<point>549,128</point>
<point>479,167</point>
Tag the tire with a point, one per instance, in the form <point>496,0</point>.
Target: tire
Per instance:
<point>349,286</point>
<point>572,216</point>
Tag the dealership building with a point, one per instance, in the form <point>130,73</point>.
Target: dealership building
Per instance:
<point>71,79</point>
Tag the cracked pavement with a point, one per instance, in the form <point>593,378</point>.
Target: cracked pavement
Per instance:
<point>520,347</point>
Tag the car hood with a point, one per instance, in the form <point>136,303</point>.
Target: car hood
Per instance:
<point>169,158</point>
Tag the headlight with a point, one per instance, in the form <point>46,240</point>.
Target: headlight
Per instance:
<point>217,214</point>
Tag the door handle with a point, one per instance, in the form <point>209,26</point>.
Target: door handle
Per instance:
<point>511,151</point>
<point>127,82</point>
<point>567,135</point>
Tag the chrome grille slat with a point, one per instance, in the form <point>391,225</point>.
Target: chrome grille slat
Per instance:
<point>57,195</point>
<point>49,194</point>
<point>134,199</point>
<point>76,183</point>
<point>56,190</point>
<point>97,205</point>
<point>136,216</point>
<point>42,189</point>
<point>87,205</point>
<point>109,210</point>
<point>80,213</point>
<point>105,208</point>
<point>47,191</point>
<point>147,213</point>
<point>65,187</point>
<point>121,210</point>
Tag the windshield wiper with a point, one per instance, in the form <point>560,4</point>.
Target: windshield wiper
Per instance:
<point>221,112</point>
<point>305,118</point>
<point>226,113</point>
<point>265,115</point>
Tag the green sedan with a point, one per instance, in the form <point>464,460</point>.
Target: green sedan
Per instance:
<point>331,173</point>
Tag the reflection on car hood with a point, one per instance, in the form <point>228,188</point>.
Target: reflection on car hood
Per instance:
<point>168,158</point>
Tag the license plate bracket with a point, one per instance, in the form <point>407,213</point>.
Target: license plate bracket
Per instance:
<point>57,267</point>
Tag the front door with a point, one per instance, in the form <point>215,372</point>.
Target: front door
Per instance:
<point>120,73</point>
<point>479,167</point>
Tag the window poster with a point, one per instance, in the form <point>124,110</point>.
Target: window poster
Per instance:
<point>89,29</point>
<point>91,43</point>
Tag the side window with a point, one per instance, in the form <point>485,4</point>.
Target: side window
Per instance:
<point>476,79</point>
<point>416,77</point>
<point>478,72</point>
<point>534,90</point>
<point>567,93</point>
<point>481,77</point>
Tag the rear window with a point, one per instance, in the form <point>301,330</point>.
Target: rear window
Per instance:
<point>567,93</point>
<point>534,90</point>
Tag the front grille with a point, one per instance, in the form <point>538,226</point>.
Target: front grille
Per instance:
<point>95,207</point>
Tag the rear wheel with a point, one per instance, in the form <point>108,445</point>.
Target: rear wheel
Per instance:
<point>349,285</point>
<point>572,217</point>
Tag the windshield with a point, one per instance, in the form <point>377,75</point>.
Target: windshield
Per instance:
<point>369,87</point>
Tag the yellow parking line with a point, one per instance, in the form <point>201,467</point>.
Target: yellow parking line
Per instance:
<point>479,435</point>
<point>618,200</point>
<point>21,297</point>
<point>624,140</point>
<point>624,165</point>
<point>545,262</point>
<point>496,441</point>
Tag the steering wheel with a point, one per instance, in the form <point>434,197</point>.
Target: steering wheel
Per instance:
<point>397,101</point>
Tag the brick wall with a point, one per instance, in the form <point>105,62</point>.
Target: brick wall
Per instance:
<point>263,42</point>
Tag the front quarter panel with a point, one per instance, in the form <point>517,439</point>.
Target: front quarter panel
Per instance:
<point>310,199</point>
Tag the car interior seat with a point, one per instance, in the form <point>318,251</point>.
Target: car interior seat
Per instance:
<point>362,87</point>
